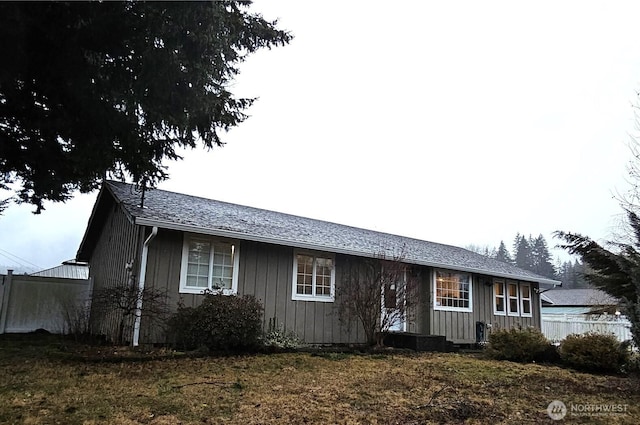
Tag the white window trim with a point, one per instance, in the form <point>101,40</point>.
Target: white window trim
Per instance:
<point>509,298</point>
<point>522,313</point>
<point>447,308</point>
<point>321,298</point>
<point>504,297</point>
<point>185,258</point>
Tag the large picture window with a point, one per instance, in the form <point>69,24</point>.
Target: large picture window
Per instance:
<point>313,277</point>
<point>452,291</point>
<point>209,264</point>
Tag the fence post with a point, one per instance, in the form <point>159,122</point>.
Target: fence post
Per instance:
<point>5,290</point>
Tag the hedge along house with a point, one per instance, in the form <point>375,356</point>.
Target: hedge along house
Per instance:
<point>185,244</point>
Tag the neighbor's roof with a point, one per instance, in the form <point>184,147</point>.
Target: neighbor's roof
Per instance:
<point>170,210</point>
<point>577,297</point>
<point>67,270</point>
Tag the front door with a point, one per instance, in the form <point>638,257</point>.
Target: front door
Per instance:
<point>392,310</point>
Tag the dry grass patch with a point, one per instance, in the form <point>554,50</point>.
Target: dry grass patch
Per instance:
<point>44,382</point>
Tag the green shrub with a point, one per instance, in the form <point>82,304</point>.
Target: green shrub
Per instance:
<point>520,345</point>
<point>220,323</point>
<point>594,352</point>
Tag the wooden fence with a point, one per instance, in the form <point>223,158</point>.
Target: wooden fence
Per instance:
<point>558,327</point>
<point>28,303</point>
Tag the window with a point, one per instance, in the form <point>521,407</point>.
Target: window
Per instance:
<point>499,306</point>
<point>525,299</point>
<point>209,264</point>
<point>516,301</point>
<point>313,277</point>
<point>512,302</point>
<point>452,291</point>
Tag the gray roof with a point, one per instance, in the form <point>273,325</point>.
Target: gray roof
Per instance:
<point>206,216</point>
<point>67,270</point>
<point>577,297</point>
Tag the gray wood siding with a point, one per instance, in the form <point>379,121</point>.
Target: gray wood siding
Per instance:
<point>266,272</point>
<point>460,327</point>
<point>163,274</point>
<point>116,246</point>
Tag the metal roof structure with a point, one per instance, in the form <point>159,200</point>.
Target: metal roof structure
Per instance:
<point>67,270</point>
<point>171,210</point>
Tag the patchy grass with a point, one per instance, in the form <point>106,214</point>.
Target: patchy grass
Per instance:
<point>47,380</point>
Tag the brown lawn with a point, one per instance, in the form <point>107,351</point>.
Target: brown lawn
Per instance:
<point>46,380</point>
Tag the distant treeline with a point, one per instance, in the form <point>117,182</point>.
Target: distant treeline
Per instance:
<point>532,254</point>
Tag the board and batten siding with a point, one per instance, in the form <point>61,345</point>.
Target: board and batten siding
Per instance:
<point>266,272</point>
<point>460,327</point>
<point>116,246</point>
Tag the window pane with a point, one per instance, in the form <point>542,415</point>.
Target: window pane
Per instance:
<point>453,289</point>
<point>513,305</point>
<point>323,276</point>
<point>304,274</point>
<point>198,264</point>
<point>222,273</point>
<point>499,304</point>
<point>526,307</point>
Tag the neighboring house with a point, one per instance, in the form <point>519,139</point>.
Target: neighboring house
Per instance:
<point>67,270</point>
<point>185,244</point>
<point>579,311</point>
<point>585,301</point>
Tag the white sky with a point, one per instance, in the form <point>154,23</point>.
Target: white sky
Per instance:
<point>458,122</point>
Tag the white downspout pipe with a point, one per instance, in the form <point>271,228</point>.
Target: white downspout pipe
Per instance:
<point>143,272</point>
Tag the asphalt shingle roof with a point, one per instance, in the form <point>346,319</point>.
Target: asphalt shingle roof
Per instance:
<point>578,297</point>
<point>200,215</point>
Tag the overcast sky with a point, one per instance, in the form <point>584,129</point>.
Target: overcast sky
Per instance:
<point>457,122</point>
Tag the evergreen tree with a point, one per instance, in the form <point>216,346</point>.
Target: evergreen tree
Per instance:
<point>502,254</point>
<point>541,258</point>
<point>617,273</point>
<point>522,256</point>
<point>95,89</point>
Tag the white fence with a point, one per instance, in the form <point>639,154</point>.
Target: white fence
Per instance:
<point>28,303</point>
<point>558,327</point>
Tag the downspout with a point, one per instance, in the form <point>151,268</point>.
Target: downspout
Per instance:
<point>143,272</point>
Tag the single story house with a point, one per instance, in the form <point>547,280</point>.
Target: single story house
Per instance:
<point>579,311</point>
<point>184,244</point>
<point>579,301</point>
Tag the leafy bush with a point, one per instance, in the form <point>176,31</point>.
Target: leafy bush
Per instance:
<point>520,345</point>
<point>221,322</point>
<point>277,338</point>
<point>594,352</point>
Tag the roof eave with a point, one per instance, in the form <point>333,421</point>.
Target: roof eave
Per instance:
<point>142,221</point>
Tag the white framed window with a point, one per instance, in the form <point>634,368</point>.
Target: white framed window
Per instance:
<point>525,300</point>
<point>452,291</point>
<point>499,304</point>
<point>209,264</point>
<point>512,298</point>
<point>314,277</point>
